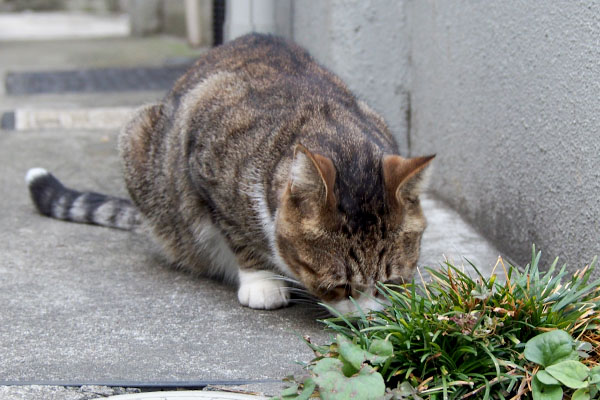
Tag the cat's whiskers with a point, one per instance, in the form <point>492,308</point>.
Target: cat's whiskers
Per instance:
<point>304,295</point>
<point>287,279</point>
<point>305,301</point>
<point>299,290</point>
<point>301,295</point>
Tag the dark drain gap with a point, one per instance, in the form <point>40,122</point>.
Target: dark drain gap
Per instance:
<point>143,386</point>
<point>7,120</point>
<point>94,80</point>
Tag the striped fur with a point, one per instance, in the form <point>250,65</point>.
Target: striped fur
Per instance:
<point>261,167</point>
<point>54,200</point>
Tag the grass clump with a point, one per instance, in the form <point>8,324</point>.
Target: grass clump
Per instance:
<point>458,337</point>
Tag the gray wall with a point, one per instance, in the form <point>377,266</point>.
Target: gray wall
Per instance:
<point>507,93</point>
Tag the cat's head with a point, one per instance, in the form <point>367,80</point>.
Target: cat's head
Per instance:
<point>340,246</point>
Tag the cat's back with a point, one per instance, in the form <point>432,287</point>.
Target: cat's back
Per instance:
<point>266,65</point>
<point>243,106</point>
<point>224,138</point>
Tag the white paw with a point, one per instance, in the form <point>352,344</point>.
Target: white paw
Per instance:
<point>262,290</point>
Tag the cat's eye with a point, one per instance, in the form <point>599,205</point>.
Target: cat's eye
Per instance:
<point>341,291</point>
<point>412,200</point>
<point>388,269</point>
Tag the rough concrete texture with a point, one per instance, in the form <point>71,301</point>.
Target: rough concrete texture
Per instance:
<point>145,16</point>
<point>21,56</point>
<point>355,40</point>
<point>26,26</point>
<point>449,238</point>
<point>89,392</point>
<point>90,304</point>
<point>43,392</point>
<point>85,303</point>
<point>507,94</point>
<point>81,118</point>
<point>98,53</point>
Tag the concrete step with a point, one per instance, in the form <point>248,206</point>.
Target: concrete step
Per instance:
<point>109,118</point>
<point>95,392</point>
<point>61,25</point>
<point>95,80</point>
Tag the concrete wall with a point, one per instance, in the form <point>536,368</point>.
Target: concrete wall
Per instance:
<point>264,16</point>
<point>189,19</point>
<point>507,93</point>
<point>93,6</point>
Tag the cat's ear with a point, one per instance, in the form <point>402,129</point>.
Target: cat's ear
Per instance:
<point>404,177</point>
<point>312,176</point>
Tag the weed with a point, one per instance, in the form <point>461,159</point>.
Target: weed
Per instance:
<point>458,337</point>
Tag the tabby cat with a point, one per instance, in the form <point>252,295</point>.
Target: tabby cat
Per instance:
<point>261,167</point>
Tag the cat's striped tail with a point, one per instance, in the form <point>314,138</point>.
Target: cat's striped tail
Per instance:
<point>55,200</point>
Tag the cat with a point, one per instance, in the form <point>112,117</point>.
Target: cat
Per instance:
<point>264,163</point>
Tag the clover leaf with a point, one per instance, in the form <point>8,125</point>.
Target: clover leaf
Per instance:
<point>379,352</point>
<point>367,384</point>
<point>570,373</point>
<point>550,348</point>
<point>545,392</point>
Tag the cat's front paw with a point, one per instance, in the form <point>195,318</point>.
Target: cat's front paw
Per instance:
<point>262,290</point>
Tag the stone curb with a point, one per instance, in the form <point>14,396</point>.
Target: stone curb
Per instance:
<point>188,395</point>
<point>69,119</point>
<point>61,25</point>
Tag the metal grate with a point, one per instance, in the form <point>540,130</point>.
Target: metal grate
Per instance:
<point>94,80</point>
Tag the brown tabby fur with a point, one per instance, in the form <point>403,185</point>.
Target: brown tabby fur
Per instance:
<point>279,158</point>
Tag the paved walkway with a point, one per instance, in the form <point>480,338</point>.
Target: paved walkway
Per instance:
<point>58,25</point>
<point>89,305</point>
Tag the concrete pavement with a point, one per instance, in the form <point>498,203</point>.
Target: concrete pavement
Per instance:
<point>89,305</point>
